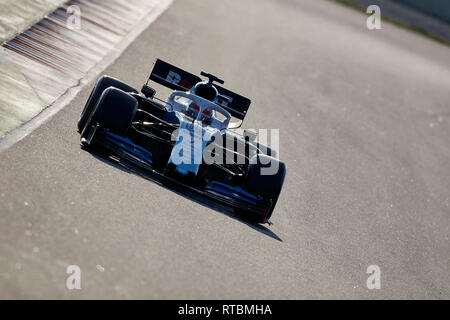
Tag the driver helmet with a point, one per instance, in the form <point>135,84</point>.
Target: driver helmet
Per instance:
<point>205,90</point>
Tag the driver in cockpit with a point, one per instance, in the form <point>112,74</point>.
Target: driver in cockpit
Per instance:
<point>207,91</point>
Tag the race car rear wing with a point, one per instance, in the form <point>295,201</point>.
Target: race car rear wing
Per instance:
<point>178,79</point>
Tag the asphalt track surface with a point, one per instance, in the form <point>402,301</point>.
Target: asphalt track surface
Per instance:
<point>364,131</point>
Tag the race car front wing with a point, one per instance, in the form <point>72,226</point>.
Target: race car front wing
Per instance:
<point>139,160</point>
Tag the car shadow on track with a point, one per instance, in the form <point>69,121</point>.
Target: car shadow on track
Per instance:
<point>204,201</point>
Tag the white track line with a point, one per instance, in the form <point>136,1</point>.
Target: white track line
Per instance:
<point>25,129</point>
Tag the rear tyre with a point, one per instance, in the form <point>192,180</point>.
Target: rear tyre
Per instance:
<point>102,83</point>
<point>114,111</point>
<point>260,181</point>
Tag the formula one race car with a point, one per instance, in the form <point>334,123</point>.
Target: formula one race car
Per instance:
<point>187,139</point>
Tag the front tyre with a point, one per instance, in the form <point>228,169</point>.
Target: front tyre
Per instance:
<point>114,111</point>
<point>265,177</point>
<point>103,83</point>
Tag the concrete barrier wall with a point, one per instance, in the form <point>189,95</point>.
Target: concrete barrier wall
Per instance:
<point>437,8</point>
<point>431,17</point>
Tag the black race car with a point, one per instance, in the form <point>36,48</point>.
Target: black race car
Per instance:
<point>186,140</point>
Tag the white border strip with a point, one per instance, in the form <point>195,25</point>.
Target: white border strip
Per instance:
<point>26,128</point>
